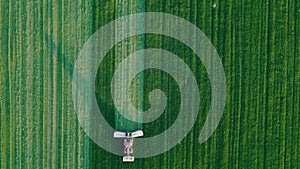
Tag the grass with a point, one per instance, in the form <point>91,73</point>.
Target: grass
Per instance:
<point>258,43</point>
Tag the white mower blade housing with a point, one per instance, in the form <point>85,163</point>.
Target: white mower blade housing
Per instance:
<point>137,133</point>
<point>128,159</point>
<point>118,134</point>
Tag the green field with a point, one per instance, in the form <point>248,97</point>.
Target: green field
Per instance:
<point>259,46</point>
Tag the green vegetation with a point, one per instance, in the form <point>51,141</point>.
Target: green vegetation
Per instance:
<point>258,43</point>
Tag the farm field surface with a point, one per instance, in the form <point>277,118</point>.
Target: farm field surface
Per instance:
<point>258,43</point>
